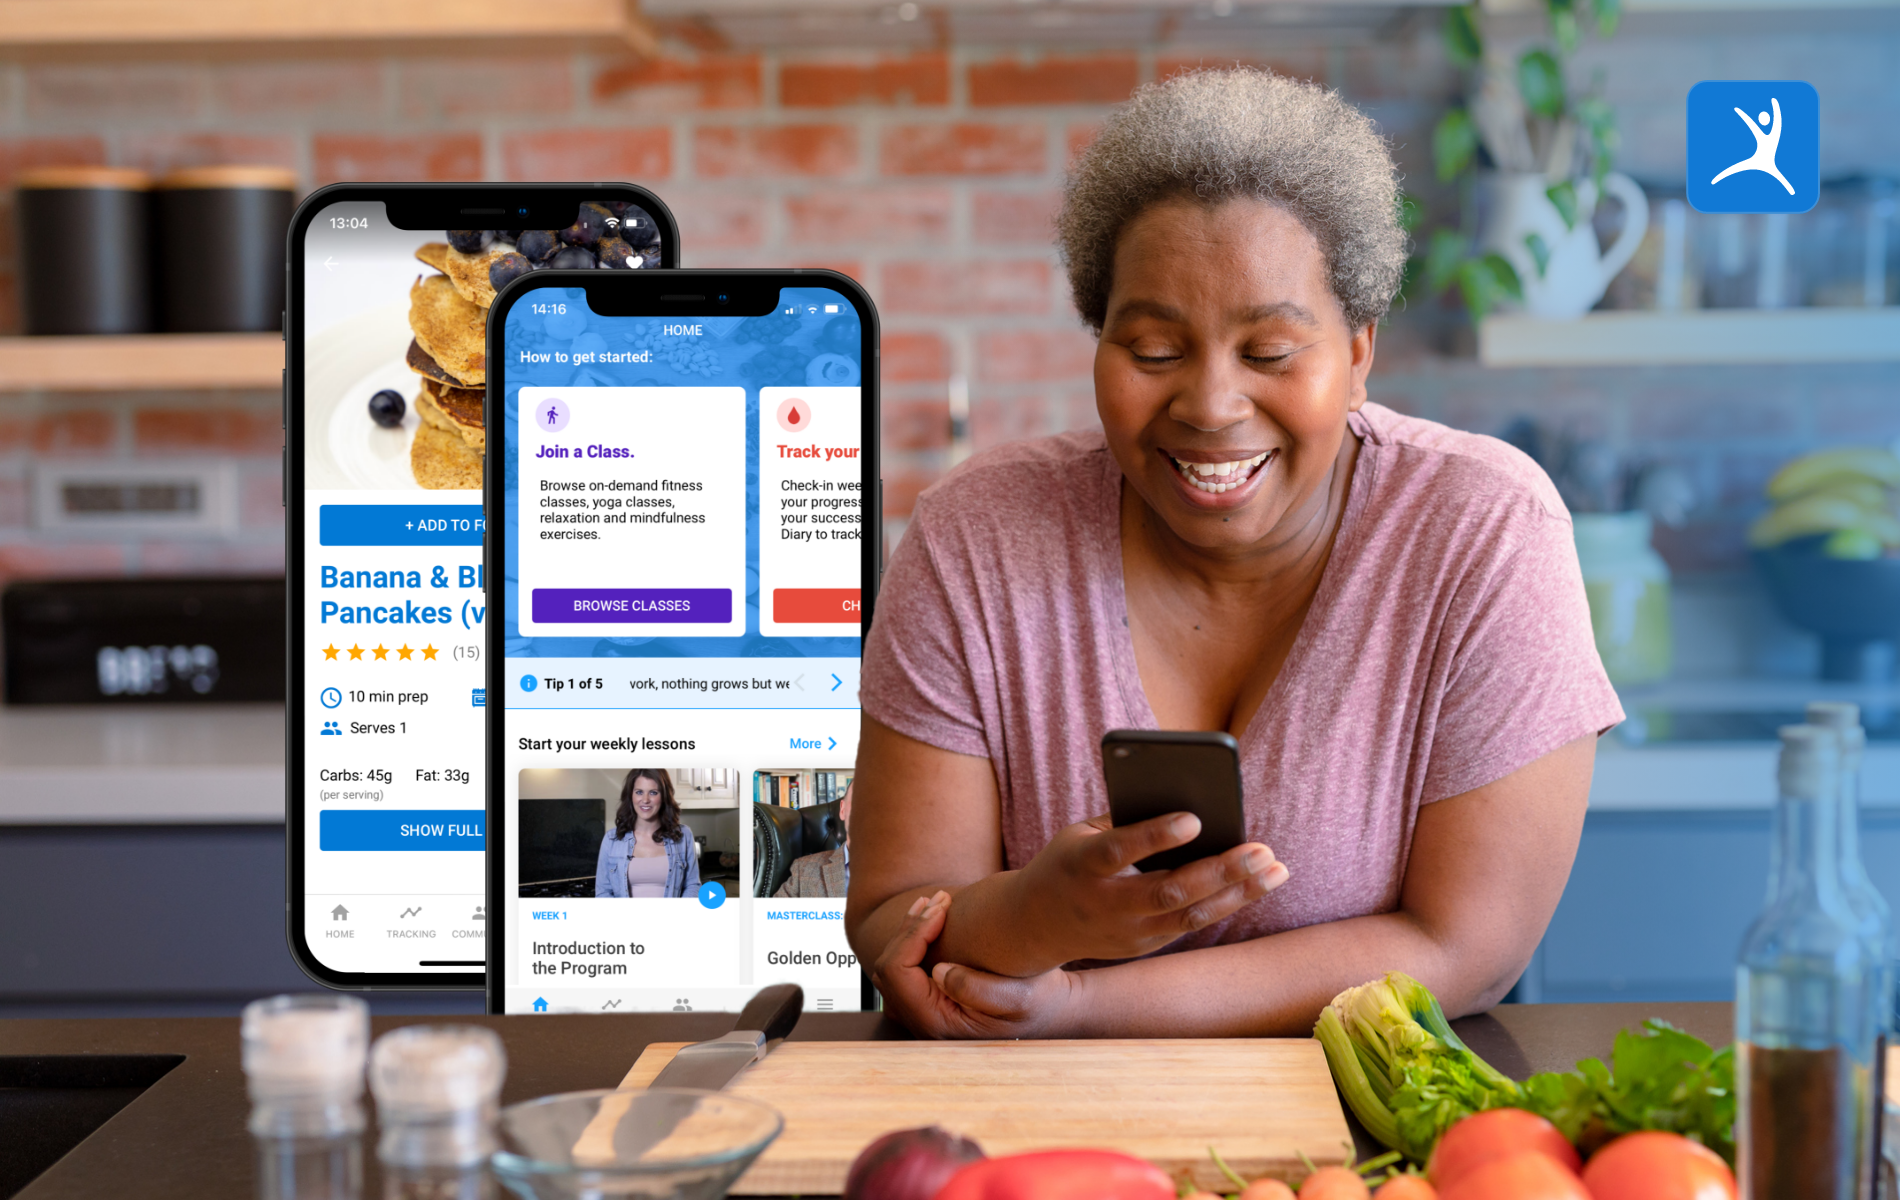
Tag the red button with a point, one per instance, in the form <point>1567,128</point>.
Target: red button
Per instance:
<point>814,606</point>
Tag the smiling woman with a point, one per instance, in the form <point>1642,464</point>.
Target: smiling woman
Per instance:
<point>1386,613</point>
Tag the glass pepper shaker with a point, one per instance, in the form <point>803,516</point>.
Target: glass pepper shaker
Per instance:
<point>303,1064</point>
<point>437,1091</point>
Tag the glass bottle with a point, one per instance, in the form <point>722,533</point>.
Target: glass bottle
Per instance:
<point>1805,1023</point>
<point>1870,908</point>
<point>303,1062</point>
<point>437,1090</point>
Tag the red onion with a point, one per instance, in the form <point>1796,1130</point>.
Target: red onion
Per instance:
<point>910,1164</point>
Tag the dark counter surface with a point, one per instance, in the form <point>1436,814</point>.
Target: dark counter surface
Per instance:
<point>184,1135</point>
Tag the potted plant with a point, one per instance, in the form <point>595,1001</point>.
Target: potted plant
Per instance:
<point>1551,150</point>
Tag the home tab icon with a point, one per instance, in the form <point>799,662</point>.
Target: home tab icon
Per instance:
<point>540,1005</point>
<point>339,913</point>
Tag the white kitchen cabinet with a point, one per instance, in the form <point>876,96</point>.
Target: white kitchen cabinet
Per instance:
<point>706,787</point>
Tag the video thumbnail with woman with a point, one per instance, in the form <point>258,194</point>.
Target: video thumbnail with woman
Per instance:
<point>644,832</point>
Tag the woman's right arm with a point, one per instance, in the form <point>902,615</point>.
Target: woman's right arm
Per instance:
<point>925,819</point>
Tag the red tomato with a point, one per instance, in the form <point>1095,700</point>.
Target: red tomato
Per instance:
<point>1528,1175</point>
<point>1493,1134</point>
<point>1406,1187</point>
<point>1060,1175</point>
<point>1267,1189</point>
<point>1658,1166</point>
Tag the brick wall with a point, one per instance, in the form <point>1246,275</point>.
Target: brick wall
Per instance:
<point>930,175</point>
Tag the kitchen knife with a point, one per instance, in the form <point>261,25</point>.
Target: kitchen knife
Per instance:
<point>765,1021</point>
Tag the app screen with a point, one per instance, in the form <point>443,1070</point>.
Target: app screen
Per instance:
<point>683,514</point>
<point>391,572</point>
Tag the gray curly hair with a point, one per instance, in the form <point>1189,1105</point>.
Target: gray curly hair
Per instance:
<point>1218,135</point>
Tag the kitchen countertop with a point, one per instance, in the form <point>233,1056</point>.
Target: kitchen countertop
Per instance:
<point>184,1137</point>
<point>148,764</point>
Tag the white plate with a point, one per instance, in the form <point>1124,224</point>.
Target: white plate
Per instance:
<point>344,366</point>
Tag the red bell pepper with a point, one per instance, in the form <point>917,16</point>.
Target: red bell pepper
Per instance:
<point>1060,1175</point>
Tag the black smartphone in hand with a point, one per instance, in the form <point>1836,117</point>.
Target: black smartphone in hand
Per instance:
<point>1153,772</point>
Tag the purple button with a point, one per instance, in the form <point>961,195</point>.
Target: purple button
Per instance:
<point>711,606</point>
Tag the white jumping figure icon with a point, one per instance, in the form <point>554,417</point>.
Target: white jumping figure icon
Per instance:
<point>1766,145</point>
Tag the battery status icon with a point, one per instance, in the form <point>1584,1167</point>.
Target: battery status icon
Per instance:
<point>831,308</point>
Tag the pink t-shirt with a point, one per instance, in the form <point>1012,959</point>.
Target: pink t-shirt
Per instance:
<point>1448,645</point>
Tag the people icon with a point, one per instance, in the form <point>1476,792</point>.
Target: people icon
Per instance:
<point>479,914</point>
<point>1767,131</point>
<point>330,730</point>
<point>682,1006</point>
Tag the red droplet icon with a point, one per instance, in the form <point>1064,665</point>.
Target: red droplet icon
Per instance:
<point>794,414</point>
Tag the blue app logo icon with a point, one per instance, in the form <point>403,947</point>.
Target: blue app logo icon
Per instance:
<point>1754,146</point>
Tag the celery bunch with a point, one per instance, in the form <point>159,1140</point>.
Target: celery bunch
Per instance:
<point>1405,1074</point>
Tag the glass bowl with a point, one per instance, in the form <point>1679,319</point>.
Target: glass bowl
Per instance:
<point>671,1143</point>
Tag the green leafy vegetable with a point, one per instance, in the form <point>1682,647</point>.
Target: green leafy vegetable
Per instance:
<point>1405,1074</point>
<point>1659,1078</point>
<point>1408,1077</point>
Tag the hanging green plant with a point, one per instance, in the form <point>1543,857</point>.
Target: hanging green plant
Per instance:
<point>1525,119</point>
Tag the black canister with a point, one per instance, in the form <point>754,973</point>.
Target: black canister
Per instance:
<point>85,256</point>
<point>220,248</point>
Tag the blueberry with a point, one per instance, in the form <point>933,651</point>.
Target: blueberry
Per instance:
<point>616,253</point>
<point>387,407</point>
<point>537,244</point>
<point>650,255</point>
<point>574,257</point>
<point>508,235</point>
<point>505,269</point>
<point>470,241</point>
<point>589,224</point>
<point>617,207</point>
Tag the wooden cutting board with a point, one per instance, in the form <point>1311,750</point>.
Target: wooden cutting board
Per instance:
<point>1260,1101</point>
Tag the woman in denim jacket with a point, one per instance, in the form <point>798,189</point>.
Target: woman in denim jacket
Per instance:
<point>649,852</point>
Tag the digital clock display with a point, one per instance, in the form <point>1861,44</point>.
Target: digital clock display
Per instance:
<point>349,222</point>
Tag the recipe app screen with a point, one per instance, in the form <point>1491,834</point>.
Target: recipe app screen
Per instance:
<point>394,372</point>
<point>683,514</point>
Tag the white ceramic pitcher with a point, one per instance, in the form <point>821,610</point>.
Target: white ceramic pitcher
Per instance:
<point>1578,271</point>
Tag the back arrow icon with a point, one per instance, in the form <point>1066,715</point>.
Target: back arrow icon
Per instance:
<point>329,264</point>
<point>836,682</point>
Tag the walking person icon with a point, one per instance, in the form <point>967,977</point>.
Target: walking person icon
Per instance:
<point>1766,146</point>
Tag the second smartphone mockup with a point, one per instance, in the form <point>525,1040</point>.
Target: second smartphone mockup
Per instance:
<point>682,472</point>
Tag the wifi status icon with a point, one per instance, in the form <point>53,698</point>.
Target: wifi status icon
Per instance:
<point>613,223</point>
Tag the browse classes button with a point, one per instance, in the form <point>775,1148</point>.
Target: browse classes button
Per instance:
<point>400,829</point>
<point>815,606</point>
<point>685,606</point>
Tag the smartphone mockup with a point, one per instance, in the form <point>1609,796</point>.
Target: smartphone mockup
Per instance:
<point>1153,772</point>
<point>385,389</point>
<point>682,472</point>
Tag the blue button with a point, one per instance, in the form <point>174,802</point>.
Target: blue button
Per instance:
<point>712,893</point>
<point>401,829</point>
<point>1753,146</point>
<point>399,525</point>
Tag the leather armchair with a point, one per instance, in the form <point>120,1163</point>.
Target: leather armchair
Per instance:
<point>781,834</point>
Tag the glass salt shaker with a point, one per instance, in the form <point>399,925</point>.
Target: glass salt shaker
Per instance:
<point>438,1089</point>
<point>303,1063</point>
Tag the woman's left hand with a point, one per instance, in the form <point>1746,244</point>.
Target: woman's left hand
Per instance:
<point>955,1001</point>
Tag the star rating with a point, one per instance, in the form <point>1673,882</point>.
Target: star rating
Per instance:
<point>356,652</point>
<point>404,652</point>
<point>428,652</point>
<point>329,652</point>
<point>382,651</point>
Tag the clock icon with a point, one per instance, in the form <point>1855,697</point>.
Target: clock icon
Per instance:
<point>330,697</point>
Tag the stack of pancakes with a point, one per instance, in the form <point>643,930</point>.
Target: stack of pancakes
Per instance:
<point>448,314</point>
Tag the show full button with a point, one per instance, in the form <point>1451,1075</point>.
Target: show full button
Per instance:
<point>815,606</point>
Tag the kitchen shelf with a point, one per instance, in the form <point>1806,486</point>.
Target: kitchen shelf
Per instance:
<point>1715,337</point>
<point>35,23</point>
<point>161,362</point>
